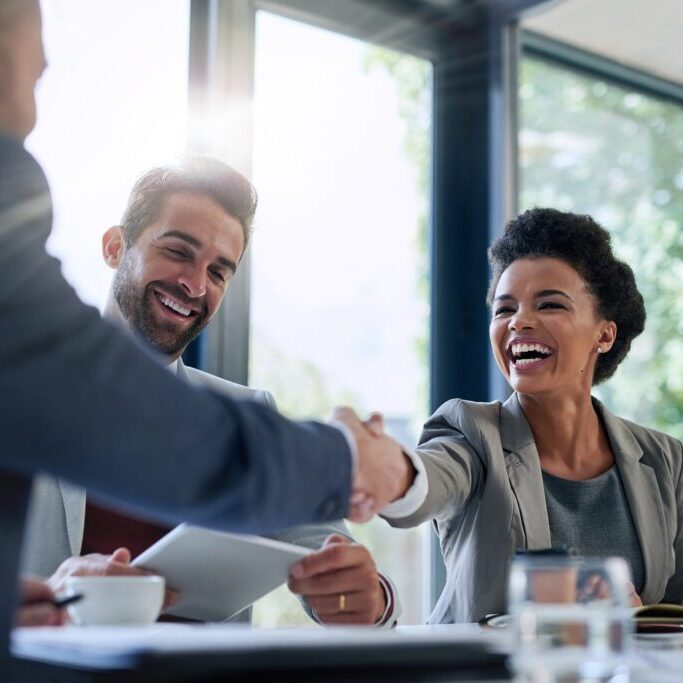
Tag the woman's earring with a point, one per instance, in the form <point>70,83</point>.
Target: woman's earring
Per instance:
<point>600,349</point>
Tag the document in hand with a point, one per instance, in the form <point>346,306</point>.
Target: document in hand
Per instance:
<point>218,574</point>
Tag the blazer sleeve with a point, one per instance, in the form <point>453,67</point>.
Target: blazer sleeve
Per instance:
<point>453,466</point>
<point>83,402</point>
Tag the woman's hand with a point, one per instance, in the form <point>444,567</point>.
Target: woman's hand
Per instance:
<point>633,596</point>
<point>596,588</point>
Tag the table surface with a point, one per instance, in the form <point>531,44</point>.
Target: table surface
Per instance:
<point>180,652</point>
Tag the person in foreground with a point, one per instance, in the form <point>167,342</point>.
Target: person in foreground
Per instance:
<point>182,236</point>
<point>550,466</point>
<point>181,452</point>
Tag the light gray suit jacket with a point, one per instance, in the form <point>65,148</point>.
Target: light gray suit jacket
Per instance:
<point>54,529</point>
<point>486,498</point>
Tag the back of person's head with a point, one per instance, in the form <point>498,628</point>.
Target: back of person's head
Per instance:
<point>586,246</point>
<point>10,10</point>
<point>22,62</point>
<point>193,174</point>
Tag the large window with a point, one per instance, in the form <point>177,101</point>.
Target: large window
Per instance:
<point>341,159</point>
<point>590,146</point>
<point>339,309</point>
<point>112,103</point>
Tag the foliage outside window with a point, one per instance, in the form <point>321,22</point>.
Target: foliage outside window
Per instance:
<point>589,146</point>
<point>339,300</point>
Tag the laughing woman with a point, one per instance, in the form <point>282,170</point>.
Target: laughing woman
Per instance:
<point>551,465</point>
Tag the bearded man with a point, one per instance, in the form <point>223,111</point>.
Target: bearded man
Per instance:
<point>180,241</point>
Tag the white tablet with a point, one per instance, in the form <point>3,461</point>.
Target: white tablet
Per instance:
<point>218,574</point>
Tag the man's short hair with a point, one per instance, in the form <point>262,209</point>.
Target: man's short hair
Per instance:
<point>193,174</point>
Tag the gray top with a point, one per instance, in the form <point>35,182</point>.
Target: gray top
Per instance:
<point>593,518</point>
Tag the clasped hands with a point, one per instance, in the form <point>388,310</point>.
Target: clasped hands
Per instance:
<point>384,472</point>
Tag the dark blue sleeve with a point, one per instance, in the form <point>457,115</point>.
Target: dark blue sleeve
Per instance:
<point>82,401</point>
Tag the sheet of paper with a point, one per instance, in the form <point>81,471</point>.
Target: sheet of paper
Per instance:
<point>218,574</point>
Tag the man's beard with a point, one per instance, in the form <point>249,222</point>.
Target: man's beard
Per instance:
<point>136,307</point>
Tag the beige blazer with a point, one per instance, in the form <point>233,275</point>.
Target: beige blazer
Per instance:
<point>486,497</point>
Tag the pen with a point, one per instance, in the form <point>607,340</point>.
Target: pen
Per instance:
<point>65,600</point>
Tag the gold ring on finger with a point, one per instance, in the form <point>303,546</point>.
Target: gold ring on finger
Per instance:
<point>342,602</point>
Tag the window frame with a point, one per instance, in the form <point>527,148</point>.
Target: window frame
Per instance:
<point>588,63</point>
<point>474,160</point>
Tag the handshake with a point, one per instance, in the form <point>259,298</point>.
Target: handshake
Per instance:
<point>384,472</point>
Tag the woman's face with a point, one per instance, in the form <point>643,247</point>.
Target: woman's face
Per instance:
<point>545,331</point>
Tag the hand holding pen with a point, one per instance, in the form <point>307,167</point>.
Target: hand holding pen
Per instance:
<point>39,606</point>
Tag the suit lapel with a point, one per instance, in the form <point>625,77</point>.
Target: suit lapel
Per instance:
<point>524,472</point>
<point>645,502</point>
<point>73,499</point>
<point>640,486</point>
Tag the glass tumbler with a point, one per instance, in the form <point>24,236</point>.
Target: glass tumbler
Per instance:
<point>571,619</point>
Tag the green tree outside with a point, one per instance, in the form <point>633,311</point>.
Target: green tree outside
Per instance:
<point>413,78</point>
<point>302,389</point>
<point>592,147</point>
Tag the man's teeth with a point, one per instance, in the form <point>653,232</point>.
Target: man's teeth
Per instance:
<point>519,349</point>
<point>175,306</point>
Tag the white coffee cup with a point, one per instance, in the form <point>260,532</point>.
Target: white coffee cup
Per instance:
<point>116,600</point>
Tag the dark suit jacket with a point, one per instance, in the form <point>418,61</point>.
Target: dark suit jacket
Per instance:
<point>83,402</point>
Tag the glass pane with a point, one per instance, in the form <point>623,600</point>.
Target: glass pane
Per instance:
<point>339,283</point>
<point>112,104</point>
<point>592,147</point>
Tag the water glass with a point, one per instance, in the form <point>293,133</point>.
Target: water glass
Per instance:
<point>571,619</point>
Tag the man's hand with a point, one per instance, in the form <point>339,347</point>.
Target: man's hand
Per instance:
<point>116,564</point>
<point>37,608</point>
<point>384,473</point>
<point>340,583</point>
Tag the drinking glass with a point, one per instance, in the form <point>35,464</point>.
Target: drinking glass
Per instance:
<point>571,619</point>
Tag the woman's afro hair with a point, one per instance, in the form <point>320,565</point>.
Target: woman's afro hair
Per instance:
<point>586,246</point>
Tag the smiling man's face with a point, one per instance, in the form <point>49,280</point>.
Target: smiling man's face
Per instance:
<point>170,282</point>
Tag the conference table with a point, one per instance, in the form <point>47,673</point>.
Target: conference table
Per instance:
<point>230,652</point>
<point>238,653</point>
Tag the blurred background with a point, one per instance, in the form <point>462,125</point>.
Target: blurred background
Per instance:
<point>388,141</point>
